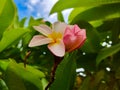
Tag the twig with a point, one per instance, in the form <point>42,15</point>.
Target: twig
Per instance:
<point>25,59</point>
<point>56,63</point>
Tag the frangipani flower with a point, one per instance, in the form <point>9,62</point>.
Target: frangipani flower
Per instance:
<point>60,38</point>
<point>51,36</point>
<point>74,37</point>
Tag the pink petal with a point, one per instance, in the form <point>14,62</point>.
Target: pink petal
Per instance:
<point>82,33</point>
<point>72,43</point>
<point>74,38</point>
<point>44,29</point>
<point>76,29</point>
<point>68,31</point>
<point>57,49</point>
<point>39,40</point>
<point>59,27</point>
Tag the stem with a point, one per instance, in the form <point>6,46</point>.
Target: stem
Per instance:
<point>56,63</point>
<point>25,60</point>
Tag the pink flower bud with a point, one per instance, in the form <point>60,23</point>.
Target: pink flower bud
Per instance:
<point>74,37</point>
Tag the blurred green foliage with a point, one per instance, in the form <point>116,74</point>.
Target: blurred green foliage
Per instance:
<point>99,58</point>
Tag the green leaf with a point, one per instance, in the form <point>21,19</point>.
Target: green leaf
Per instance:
<point>104,53</point>
<point>85,84</point>
<point>4,64</point>
<point>77,11</point>
<point>44,83</point>
<point>61,5</point>
<point>11,36</point>
<point>33,70</point>
<point>2,4</point>
<point>7,15</point>
<point>65,74</point>
<point>34,22</point>
<point>60,16</point>
<point>116,31</point>
<point>18,76</point>
<point>3,85</point>
<point>22,22</point>
<point>103,12</point>
<point>86,61</point>
<point>97,79</point>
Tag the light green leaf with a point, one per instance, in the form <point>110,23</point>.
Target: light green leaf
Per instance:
<point>65,74</point>
<point>4,64</point>
<point>3,85</point>
<point>22,22</point>
<point>2,4</point>
<point>77,11</point>
<point>44,83</point>
<point>104,53</point>
<point>103,12</point>
<point>18,76</point>
<point>60,16</point>
<point>11,36</point>
<point>61,5</point>
<point>36,22</point>
<point>33,70</point>
<point>7,15</point>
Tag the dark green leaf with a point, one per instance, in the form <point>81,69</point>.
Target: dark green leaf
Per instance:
<point>104,53</point>
<point>65,74</point>
<point>85,84</point>
<point>116,31</point>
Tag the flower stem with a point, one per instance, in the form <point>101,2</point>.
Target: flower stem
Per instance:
<point>56,63</point>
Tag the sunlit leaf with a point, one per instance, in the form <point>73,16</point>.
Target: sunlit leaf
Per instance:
<point>2,4</point>
<point>61,5</point>
<point>77,11</point>
<point>60,16</point>
<point>11,36</point>
<point>7,15</point>
<point>22,22</point>
<point>24,78</point>
<point>103,12</point>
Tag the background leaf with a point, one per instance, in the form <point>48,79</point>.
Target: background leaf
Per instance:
<point>7,8</point>
<point>11,36</point>
<point>61,5</point>
<point>60,17</point>
<point>105,11</point>
<point>104,53</point>
<point>25,78</point>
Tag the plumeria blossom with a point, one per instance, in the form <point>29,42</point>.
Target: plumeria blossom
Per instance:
<point>51,36</point>
<point>74,37</point>
<point>60,38</point>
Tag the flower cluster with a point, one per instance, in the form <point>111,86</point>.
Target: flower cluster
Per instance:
<point>60,38</point>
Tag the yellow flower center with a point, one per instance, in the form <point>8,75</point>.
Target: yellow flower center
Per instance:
<point>55,36</point>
